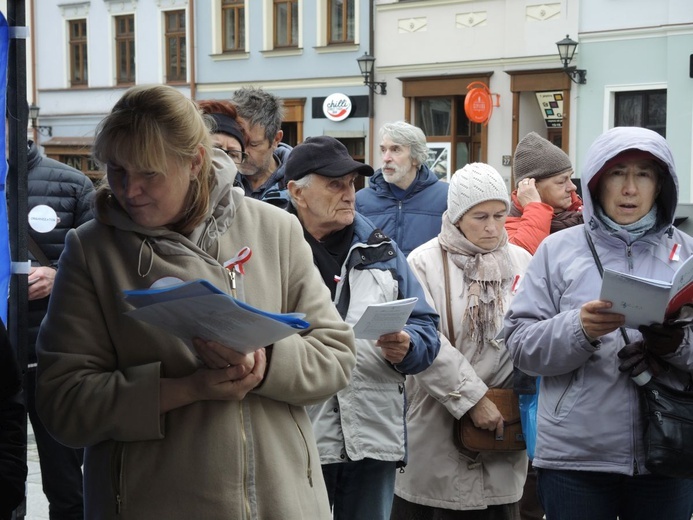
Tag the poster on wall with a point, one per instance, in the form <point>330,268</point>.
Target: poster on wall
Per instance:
<point>551,105</point>
<point>439,160</point>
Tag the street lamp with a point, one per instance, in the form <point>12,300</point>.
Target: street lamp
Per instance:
<point>566,51</point>
<point>33,115</point>
<point>366,63</point>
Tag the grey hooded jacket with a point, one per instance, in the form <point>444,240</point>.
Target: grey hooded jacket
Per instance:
<point>589,417</point>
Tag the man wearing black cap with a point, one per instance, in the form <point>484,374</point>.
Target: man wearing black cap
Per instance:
<point>360,431</point>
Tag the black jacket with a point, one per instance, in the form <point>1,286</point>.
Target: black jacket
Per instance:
<point>13,468</point>
<point>69,192</point>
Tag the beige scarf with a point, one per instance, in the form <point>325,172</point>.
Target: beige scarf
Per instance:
<point>487,275</point>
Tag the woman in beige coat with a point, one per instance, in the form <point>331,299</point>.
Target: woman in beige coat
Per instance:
<point>171,433</point>
<point>441,482</point>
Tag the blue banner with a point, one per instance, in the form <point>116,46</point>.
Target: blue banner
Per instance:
<point>5,259</point>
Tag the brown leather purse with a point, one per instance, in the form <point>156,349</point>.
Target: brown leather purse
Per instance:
<point>467,436</point>
<point>475,439</point>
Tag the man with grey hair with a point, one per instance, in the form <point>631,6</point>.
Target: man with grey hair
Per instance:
<point>262,174</point>
<point>404,197</point>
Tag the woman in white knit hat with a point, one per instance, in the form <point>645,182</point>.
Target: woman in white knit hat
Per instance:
<point>440,481</point>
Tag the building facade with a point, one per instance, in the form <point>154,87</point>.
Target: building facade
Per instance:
<point>428,54</point>
<point>639,58</point>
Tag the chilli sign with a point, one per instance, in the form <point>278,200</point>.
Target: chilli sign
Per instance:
<point>336,107</point>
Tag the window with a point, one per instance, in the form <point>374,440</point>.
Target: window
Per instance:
<point>285,23</point>
<point>233,25</point>
<point>443,120</point>
<point>644,108</point>
<point>78,52</point>
<point>176,69</point>
<point>125,49</point>
<point>340,21</point>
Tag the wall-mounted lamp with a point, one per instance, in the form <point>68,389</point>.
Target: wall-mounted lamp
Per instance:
<point>33,115</point>
<point>366,65</point>
<point>566,51</point>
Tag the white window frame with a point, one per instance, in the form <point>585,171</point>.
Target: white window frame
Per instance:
<point>268,30</point>
<point>321,28</point>
<point>217,32</point>
<point>610,92</point>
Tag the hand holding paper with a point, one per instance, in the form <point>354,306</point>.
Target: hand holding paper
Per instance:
<point>394,346</point>
<point>384,318</point>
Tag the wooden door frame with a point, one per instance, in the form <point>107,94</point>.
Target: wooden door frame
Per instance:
<point>539,81</point>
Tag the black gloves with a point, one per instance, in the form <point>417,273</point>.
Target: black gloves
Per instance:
<point>635,359</point>
<point>662,338</point>
<point>657,340</point>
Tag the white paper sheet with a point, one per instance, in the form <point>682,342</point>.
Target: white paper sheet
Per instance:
<point>384,318</point>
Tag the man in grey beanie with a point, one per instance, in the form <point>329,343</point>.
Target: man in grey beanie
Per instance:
<point>546,199</point>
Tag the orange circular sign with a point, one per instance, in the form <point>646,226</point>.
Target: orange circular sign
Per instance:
<point>478,105</point>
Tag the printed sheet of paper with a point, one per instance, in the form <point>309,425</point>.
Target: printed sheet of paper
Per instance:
<point>199,310</point>
<point>384,318</point>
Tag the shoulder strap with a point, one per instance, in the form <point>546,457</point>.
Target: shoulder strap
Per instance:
<point>624,334</point>
<point>446,276</point>
<point>39,255</point>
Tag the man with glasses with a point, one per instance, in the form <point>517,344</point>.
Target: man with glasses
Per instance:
<point>262,173</point>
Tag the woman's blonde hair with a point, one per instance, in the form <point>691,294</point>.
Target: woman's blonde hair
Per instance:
<point>150,125</point>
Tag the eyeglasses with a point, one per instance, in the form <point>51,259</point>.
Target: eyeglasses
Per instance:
<point>236,155</point>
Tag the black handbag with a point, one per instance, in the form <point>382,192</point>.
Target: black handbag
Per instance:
<point>668,418</point>
<point>668,429</point>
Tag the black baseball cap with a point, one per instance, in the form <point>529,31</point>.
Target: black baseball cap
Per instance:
<point>325,156</point>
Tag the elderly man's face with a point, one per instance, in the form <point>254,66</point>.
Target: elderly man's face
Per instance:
<point>326,204</point>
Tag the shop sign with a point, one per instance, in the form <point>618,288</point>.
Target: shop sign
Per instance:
<point>336,107</point>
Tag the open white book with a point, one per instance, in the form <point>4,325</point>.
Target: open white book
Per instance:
<point>198,309</point>
<point>644,301</point>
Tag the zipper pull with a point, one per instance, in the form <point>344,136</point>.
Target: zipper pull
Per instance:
<point>232,275</point>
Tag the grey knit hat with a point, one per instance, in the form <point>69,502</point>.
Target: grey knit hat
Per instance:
<point>537,158</point>
<point>472,185</point>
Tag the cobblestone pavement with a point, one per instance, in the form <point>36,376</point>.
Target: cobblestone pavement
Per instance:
<point>36,503</point>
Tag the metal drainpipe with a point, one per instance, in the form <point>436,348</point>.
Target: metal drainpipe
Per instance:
<point>34,88</point>
<point>371,94</point>
<point>191,16</point>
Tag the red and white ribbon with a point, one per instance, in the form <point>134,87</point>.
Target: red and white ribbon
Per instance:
<point>236,263</point>
<point>674,255</point>
<point>516,282</point>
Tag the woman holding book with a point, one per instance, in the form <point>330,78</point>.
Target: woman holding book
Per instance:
<point>590,447</point>
<point>171,433</point>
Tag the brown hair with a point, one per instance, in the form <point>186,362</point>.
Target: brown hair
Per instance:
<point>218,106</point>
<point>150,125</point>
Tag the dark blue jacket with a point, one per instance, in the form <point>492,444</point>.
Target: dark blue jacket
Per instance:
<point>411,221</point>
<point>273,190</point>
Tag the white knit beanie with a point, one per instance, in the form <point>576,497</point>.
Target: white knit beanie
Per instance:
<point>473,184</point>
